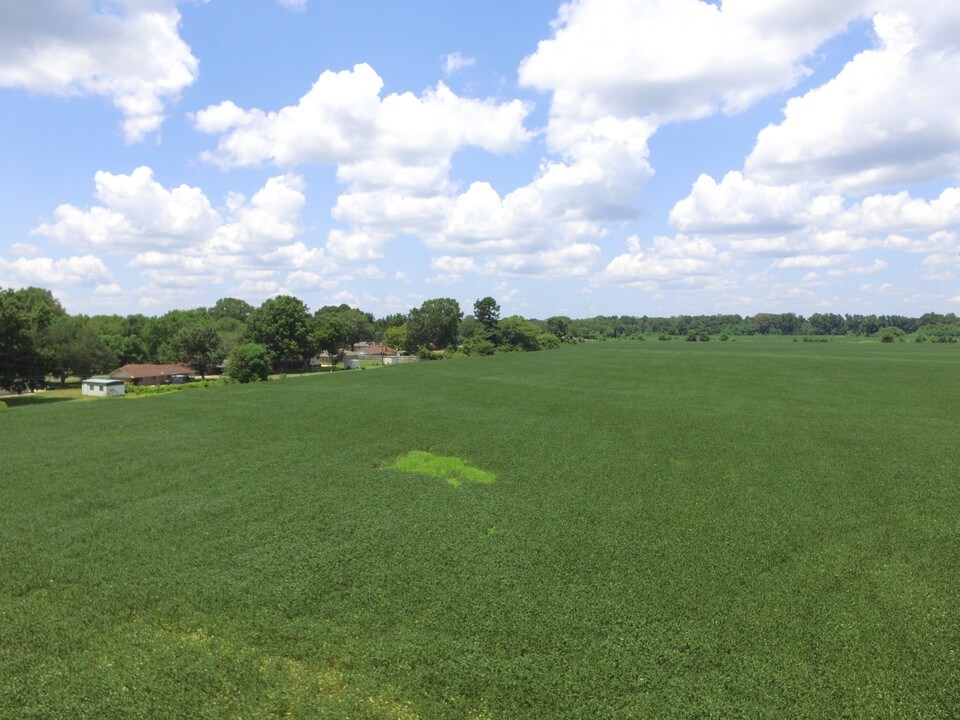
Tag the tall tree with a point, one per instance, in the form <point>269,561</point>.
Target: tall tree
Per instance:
<point>359,324</point>
<point>434,324</point>
<point>395,336</point>
<point>24,317</point>
<point>76,348</point>
<point>231,308</point>
<point>19,360</point>
<point>559,325</point>
<point>160,334</point>
<point>282,325</point>
<point>487,312</point>
<point>40,308</point>
<point>200,346</point>
<point>330,333</point>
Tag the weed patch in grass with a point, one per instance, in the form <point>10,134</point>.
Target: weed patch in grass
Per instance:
<point>452,469</point>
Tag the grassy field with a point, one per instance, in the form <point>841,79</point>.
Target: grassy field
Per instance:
<point>67,393</point>
<point>625,530</point>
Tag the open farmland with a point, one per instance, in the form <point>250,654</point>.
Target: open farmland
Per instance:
<point>624,530</point>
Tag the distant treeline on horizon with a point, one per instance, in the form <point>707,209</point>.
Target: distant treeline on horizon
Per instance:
<point>38,338</point>
<point>763,324</point>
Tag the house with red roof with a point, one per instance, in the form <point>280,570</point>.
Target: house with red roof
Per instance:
<point>172,374</point>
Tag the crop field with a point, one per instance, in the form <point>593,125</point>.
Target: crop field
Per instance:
<point>750,529</point>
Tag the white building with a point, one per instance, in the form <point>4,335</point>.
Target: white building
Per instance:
<point>102,387</point>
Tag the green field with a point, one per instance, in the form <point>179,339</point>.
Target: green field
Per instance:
<point>751,529</point>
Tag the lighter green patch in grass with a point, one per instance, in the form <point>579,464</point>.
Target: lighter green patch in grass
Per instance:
<point>452,469</point>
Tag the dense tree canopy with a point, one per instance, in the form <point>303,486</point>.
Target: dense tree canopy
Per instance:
<point>487,312</point>
<point>395,336</point>
<point>518,333</point>
<point>161,335</point>
<point>331,334</point>
<point>381,325</point>
<point>282,325</point>
<point>559,325</point>
<point>357,323</point>
<point>434,324</point>
<point>25,317</point>
<point>248,363</point>
<point>20,363</point>
<point>231,308</point>
<point>199,345</point>
<point>76,348</point>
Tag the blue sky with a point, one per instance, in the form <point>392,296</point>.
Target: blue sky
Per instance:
<point>594,157</point>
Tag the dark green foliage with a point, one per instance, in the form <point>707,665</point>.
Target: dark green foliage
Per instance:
<point>200,346</point>
<point>478,346</point>
<point>890,334</point>
<point>395,337</point>
<point>75,348</point>
<point>737,530</point>
<point>282,325</point>
<point>602,327</point>
<point>40,308</point>
<point>381,325</point>
<point>162,335</point>
<point>331,334</point>
<point>559,325</point>
<point>425,353</point>
<point>549,341</point>
<point>434,324</point>
<point>518,333</point>
<point>24,316</point>
<point>487,312</point>
<point>122,336</point>
<point>232,308</point>
<point>358,325</point>
<point>248,363</point>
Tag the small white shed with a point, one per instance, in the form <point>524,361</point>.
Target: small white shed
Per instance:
<point>102,387</point>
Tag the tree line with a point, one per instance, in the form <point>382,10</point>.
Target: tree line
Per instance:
<point>932,327</point>
<point>39,339</point>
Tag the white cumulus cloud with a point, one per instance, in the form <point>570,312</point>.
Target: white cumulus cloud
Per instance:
<point>128,50</point>
<point>677,59</point>
<point>46,271</point>
<point>666,261</point>
<point>175,238</point>
<point>343,120</point>
<point>885,119</point>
